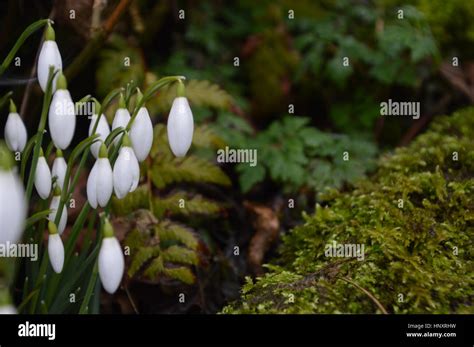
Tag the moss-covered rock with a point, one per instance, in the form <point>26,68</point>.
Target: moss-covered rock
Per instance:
<point>415,218</point>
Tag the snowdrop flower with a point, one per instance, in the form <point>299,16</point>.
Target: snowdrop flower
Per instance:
<point>49,56</point>
<point>121,119</point>
<point>141,132</point>
<point>54,205</point>
<point>55,248</point>
<point>8,309</point>
<point>43,177</point>
<point>13,206</point>
<point>59,168</point>
<point>111,260</point>
<point>180,124</point>
<point>100,181</point>
<point>103,130</point>
<point>126,170</point>
<point>62,118</point>
<point>15,130</point>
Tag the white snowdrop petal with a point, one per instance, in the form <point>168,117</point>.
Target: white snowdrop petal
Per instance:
<point>103,130</point>
<point>62,119</point>
<point>121,119</point>
<point>111,264</point>
<point>59,170</point>
<point>8,309</point>
<point>15,132</point>
<point>13,207</point>
<point>104,184</point>
<point>135,169</point>
<point>54,205</point>
<point>43,178</point>
<point>180,127</point>
<point>49,55</point>
<point>141,134</point>
<point>125,172</point>
<point>92,186</point>
<point>56,252</point>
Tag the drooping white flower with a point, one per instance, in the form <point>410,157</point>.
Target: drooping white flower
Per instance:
<point>13,206</point>
<point>180,124</point>
<point>121,118</point>
<point>15,130</point>
<point>59,169</point>
<point>100,181</point>
<point>54,205</point>
<point>8,309</point>
<point>55,248</point>
<point>43,177</point>
<point>126,170</point>
<point>49,55</point>
<point>62,118</point>
<point>141,132</point>
<point>111,261</point>
<point>103,130</point>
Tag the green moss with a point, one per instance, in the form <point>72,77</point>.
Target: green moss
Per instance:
<point>418,258</point>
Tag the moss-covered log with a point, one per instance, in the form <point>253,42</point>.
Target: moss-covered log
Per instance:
<point>415,218</point>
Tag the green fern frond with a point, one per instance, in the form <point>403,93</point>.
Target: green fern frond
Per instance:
<point>155,268</point>
<point>143,255</point>
<point>168,231</point>
<point>183,204</point>
<point>132,202</point>
<point>187,169</point>
<point>199,93</point>
<point>206,137</point>
<point>177,254</point>
<point>182,274</point>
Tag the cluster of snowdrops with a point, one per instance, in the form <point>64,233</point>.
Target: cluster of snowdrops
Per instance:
<point>117,150</point>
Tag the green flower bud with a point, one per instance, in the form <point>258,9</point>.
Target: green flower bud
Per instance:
<point>52,228</point>
<point>49,34</point>
<point>103,153</point>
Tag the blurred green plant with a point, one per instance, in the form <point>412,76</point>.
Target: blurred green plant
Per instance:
<point>296,155</point>
<point>414,217</point>
<point>383,51</point>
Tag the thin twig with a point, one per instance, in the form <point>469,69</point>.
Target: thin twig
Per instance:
<point>130,299</point>
<point>366,292</point>
<point>97,41</point>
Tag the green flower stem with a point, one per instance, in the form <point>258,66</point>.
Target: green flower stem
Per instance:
<point>41,127</point>
<point>150,92</point>
<point>83,148</point>
<point>67,191</point>
<point>26,154</point>
<point>90,287</point>
<point>28,31</point>
<point>36,218</point>
<point>5,99</point>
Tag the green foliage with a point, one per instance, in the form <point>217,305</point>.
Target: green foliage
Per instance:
<point>119,63</point>
<point>165,248</point>
<point>383,51</point>
<point>200,93</point>
<point>296,155</point>
<point>422,250</point>
<point>447,18</point>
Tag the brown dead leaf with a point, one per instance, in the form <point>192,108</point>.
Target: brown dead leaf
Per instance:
<point>267,225</point>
